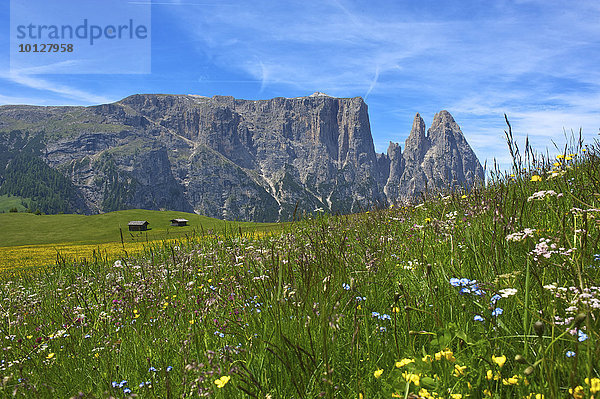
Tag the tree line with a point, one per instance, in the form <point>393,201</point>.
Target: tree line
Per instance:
<point>25,175</point>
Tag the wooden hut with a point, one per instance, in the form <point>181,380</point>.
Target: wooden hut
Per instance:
<point>179,222</point>
<point>138,225</point>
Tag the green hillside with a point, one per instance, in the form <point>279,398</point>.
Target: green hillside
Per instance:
<point>30,229</point>
<point>8,202</point>
<point>47,190</point>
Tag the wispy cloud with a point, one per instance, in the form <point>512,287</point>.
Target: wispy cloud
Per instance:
<point>313,45</point>
<point>69,93</point>
<point>373,83</point>
<point>20,100</point>
<point>479,62</point>
<point>535,60</point>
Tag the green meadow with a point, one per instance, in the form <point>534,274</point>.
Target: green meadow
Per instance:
<point>487,293</point>
<point>31,229</point>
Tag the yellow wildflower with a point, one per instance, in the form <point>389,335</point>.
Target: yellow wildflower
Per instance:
<point>490,375</point>
<point>514,380</point>
<point>456,396</point>
<point>404,362</point>
<point>449,355</point>
<point>397,395</point>
<point>221,382</point>
<point>487,392</point>
<point>395,309</point>
<point>426,358</point>
<point>463,196</point>
<point>378,373</point>
<point>424,393</point>
<point>536,178</point>
<point>459,370</point>
<point>499,360</point>
<point>50,355</point>
<point>560,156</point>
<point>445,354</point>
<point>577,392</point>
<point>594,384</point>
<point>412,377</point>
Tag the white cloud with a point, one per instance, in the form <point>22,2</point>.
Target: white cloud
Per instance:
<point>20,100</point>
<point>535,60</point>
<point>544,125</point>
<point>70,93</point>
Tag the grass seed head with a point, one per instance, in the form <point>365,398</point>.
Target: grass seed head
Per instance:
<point>521,359</point>
<point>538,326</point>
<point>580,318</point>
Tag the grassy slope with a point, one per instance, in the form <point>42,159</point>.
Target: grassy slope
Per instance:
<point>7,202</point>
<point>29,229</point>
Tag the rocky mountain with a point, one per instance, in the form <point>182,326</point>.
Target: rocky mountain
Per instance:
<point>234,159</point>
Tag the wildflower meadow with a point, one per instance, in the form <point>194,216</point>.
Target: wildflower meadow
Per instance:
<point>492,292</point>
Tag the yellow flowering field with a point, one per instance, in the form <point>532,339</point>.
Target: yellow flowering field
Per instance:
<point>28,257</point>
<point>33,257</point>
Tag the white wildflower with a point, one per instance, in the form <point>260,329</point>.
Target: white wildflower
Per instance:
<point>540,195</point>
<point>505,293</point>
<point>520,235</point>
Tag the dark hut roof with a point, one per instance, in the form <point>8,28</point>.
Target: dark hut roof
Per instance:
<point>137,223</point>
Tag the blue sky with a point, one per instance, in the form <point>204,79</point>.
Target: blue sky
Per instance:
<point>537,61</point>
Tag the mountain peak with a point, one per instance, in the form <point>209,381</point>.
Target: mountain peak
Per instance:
<point>319,94</point>
<point>442,158</point>
<point>416,143</point>
<point>442,117</point>
<point>418,127</point>
<point>444,126</point>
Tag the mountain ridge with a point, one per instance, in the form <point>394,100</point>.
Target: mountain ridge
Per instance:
<point>260,160</point>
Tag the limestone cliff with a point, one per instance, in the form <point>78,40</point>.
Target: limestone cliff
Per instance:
<point>236,159</point>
